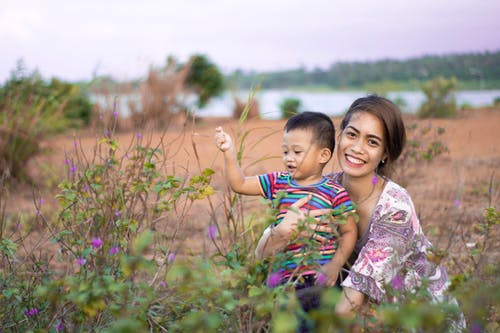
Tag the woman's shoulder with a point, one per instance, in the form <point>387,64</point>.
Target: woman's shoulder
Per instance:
<point>395,201</point>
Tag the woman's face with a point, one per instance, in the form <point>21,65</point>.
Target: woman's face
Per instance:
<point>361,145</point>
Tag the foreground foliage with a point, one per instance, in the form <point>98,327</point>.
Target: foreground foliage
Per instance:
<point>112,257</point>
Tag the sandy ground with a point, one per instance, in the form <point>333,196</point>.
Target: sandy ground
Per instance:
<point>464,173</point>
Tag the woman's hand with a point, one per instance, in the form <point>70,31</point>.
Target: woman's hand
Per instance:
<point>276,238</point>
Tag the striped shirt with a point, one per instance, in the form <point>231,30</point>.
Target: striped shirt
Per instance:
<point>304,256</point>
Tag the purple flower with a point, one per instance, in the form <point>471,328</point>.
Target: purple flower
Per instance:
<point>72,170</point>
<point>113,250</point>
<point>38,212</point>
<point>75,143</point>
<point>397,283</point>
<point>171,257</point>
<point>81,261</point>
<point>163,284</point>
<point>475,327</point>
<point>321,278</point>
<point>212,231</point>
<point>31,312</point>
<point>67,162</point>
<point>274,279</point>
<point>107,133</point>
<point>96,242</point>
<point>456,203</point>
<point>118,213</point>
<point>59,327</point>
<point>115,114</point>
<point>139,135</point>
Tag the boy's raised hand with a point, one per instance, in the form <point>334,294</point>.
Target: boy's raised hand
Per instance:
<point>222,140</point>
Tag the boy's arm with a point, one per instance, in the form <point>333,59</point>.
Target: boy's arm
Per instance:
<point>237,180</point>
<point>347,241</point>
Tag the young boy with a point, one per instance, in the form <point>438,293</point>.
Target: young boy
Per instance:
<point>308,144</point>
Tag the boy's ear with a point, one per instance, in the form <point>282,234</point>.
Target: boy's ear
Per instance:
<point>325,155</point>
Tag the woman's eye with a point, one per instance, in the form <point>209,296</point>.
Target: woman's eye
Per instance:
<point>373,142</point>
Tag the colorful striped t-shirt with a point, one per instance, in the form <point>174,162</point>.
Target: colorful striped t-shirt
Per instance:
<point>305,256</point>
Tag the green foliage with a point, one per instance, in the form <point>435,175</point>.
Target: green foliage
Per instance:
<point>110,257</point>
<point>290,107</point>
<point>205,78</point>
<point>30,110</point>
<point>440,101</point>
<point>473,71</point>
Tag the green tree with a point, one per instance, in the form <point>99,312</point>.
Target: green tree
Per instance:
<point>205,79</point>
<point>440,96</point>
<point>290,107</point>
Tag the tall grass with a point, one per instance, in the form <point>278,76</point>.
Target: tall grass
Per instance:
<point>115,254</point>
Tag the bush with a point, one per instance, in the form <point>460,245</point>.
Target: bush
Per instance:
<point>289,107</point>
<point>440,99</point>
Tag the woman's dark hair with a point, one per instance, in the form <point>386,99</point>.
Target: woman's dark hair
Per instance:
<point>394,128</point>
<point>319,123</point>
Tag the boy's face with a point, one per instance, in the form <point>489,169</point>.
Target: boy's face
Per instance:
<point>303,158</point>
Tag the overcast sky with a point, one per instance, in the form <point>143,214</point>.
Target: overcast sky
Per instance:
<point>73,39</point>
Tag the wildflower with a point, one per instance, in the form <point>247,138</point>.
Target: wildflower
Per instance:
<point>107,133</point>
<point>113,250</point>
<point>96,242</point>
<point>321,278</point>
<point>31,312</point>
<point>212,231</point>
<point>139,135</point>
<point>72,170</point>
<point>397,283</point>
<point>456,203</point>
<point>171,257</point>
<point>118,213</point>
<point>115,114</point>
<point>67,162</point>
<point>75,143</point>
<point>163,284</point>
<point>59,327</point>
<point>274,279</point>
<point>81,261</point>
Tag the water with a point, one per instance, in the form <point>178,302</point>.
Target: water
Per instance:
<point>331,103</point>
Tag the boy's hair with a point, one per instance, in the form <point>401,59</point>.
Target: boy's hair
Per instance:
<point>319,123</point>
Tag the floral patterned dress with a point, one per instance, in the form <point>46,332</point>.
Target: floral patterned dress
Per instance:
<point>394,251</point>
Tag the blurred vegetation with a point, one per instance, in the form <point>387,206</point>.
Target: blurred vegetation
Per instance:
<point>472,70</point>
<point>30,110</point>
<point>290,107</point>
<point>204,78</point>
<point>440,99</point>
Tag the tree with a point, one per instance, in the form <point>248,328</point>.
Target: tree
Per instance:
<point>204,79</point>
<point>440,101</point>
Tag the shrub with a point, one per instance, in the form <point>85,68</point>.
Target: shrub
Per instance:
<point>289,107</point>
<point>440,101</point>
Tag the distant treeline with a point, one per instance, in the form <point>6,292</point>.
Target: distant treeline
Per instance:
<point>472,70</point>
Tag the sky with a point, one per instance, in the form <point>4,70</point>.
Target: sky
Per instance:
<point>76,40</point>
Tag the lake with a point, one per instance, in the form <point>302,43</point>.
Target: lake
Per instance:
<point>332,103</point>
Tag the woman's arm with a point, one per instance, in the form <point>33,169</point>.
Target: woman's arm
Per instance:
<point>350,300</point>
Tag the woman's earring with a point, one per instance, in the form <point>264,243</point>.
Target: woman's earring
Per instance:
<point>374,179</point>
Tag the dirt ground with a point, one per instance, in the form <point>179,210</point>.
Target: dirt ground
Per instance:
<point>450,191</point>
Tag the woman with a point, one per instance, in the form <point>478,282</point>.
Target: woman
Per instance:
<point>391,248</point>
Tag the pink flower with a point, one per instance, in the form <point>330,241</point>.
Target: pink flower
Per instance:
<point>456,203</point>
<point>96,242</point>
<point>274,279</point>
<point>321,278</point>
<point>31,312</point>
<point>397,283</point>
<point>163,284</point>
<point>113,250</point>
<point>212,231</point>
<point>81,261</point>
<point>171,257</point>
